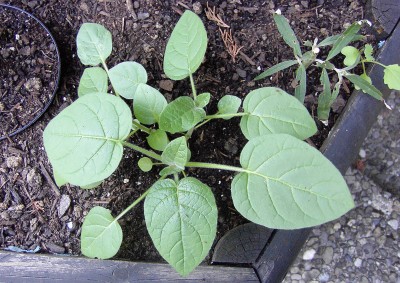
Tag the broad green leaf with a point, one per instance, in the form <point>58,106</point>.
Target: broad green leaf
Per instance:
<point>101,234</point>
<point>83,142</point>
<point>158,140</point>
<point>145,164</point>
<point>91,186</point>
<point>229,104</point>
<point>325,98</point>
<point>328,41</point>
<point>288,184</point>
<point>181,115</point>
<point>343,40</point>
<point>94,44</point>
<point>126,77</point>
<point>364,76</point>
<point>176,153</point>
<point>182,220</point>
<point>93,79</point>
<point>276,68</point>
<point>352,55</point>
<point>391,76</point>
<point>365,86</point>
<point>308,43</point>
<point>60,181</point>
<point>301,77</point>
<point>368,49</point>
<point>287,33</point>
<point>273,111</point>
<point>203,99</point>
<point>169,170</point>
<point>148,104</point>
<point>186,47</point>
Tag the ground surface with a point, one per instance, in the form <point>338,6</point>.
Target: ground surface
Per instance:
<point>35,213</point>
<point>362,246</point>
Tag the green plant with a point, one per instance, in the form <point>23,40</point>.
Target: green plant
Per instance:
<point>282,183</point>
<point>339,43</point>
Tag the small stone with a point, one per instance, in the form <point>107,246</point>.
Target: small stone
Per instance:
<point>84,7</point>
<point>394,224</point>
<point>13,161</point>
<point>167,85</point>
<point>33,178</point>
<point>65,202</point>
<point>337,226</point>
<point>304,4</point>
<point>358,262</point>
<point>362,153</point>
<point>70,225</point>
<point>143,16</point>
<point>241,73</point>
<point>197,8</point>
<point>309,254</point>
<point>53,248</point>
<point>295,277</point>
<point>26,51</point>
<point>314,273</point>
<point>126,181</point>
<point>33,85</point>
<point>136,4</point>
<point>327,256</point>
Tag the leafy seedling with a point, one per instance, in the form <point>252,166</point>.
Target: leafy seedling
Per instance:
<point>339,44</point>
<point>86,141</point>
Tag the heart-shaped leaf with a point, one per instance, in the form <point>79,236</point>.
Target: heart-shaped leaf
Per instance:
<point>176,153</point>
<point>273,111</point>
<point>352,55</point>
<point>203,99</point>
<point>148,104</point>
<point>94,44</point>
<point>181,220</point>
<point>126,77</point>
<point>101,234</point>
<point>391,76</point>
<point>83,142</point>
<point>186,47</point>
<point>93,79</point>
<point>158,140</point>
<point>288,184</point>
<point>229,104</point>
<point>181,115</point>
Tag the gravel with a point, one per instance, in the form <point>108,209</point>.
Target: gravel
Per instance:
<point>363,245</point>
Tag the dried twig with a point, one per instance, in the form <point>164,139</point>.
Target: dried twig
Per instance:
<point>230,44</point>
<point>49,180</point>
<point>216,18</point>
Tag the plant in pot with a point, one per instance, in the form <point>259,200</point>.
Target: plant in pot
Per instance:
<point>282,183</point>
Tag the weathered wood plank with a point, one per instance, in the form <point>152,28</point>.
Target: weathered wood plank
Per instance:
<point>17,267</point>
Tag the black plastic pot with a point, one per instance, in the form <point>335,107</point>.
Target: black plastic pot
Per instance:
<point>41,112</point>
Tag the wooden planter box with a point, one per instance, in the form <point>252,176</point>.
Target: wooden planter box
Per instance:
<point>271,261</point>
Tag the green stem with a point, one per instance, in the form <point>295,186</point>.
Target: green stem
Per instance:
<point>202,123</point>
<point>132,133</point>
<point>139,199</point>
<point>221,116</point>
<point>374,62</point>
<point>103,63</point>
<point>214,166</point>
<point>193,86</point>
<point>142,150</point>
<point>141,127</point>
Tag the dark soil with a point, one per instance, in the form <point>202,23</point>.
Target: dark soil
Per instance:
<point>28,70</point>
<point>34,212</point>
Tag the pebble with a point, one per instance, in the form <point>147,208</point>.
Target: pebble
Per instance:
<point>143,16</point>
<point>309,254</point>
<point>358,262</point>
<point>53,248</point>
<point>241,73</point>
<point>13,161</point>
<point>394,224</point>
<point>136,4</point>
<point>197,8</point>
<point>167,85</point>
<point>362,153</point>
<point>33,178</point>
<point>65,202</point>
<point>327,256</point>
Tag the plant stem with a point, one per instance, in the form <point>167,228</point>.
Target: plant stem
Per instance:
<point>141,127</point>
<point>131,134</point>
<point>193,86</point>
<point>221,116</point>
<point>214,166</point>
<point>103,63</point>
<point>142,150</point>
<point>139,199</point>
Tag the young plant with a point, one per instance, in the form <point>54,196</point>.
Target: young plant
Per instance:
<point>282,183</point>
<point>339,43</point>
